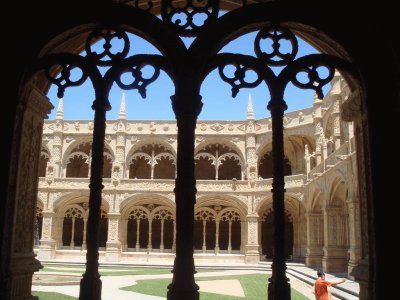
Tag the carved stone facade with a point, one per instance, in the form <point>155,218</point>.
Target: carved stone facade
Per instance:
<point>233,213</point>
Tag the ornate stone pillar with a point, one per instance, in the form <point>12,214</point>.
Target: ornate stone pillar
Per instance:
<point>354,218</point>
<point>47,248</point>
<point>317,114</point>
<point>186,107</point>
<point>217,237</point>
<point>55,165</point>
<point>324,149</point>
<point>162,236</point>
<point>336,121</point>
<point>354,234</point>
<point>122,126</point>
<point>149,234</point>
<point>84,233</point>
<point>296,238</point>
<point>350,111</point>
<point>252,254</point>
<point>174,239</point>
<point>23,190</point>
<point>315,239</point>
<point>72,242</point>
<point>243,235</point>
<point>59,227</point>
<point>251,157</point>
<point>123,233</point>
<point>307,160</point>
<point>137,245</point>
<point>278,287</point>
<point>335,250</point>
<point>336,97</point>
<point>204,247</point>
<point>113,245</point>
<point>230,237</point>
<point>90,285</point>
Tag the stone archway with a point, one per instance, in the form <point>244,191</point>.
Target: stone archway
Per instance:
<point>267,224</point>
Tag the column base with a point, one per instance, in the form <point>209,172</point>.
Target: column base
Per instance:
<point>90,288</point>
<point>113,252</point>
<point>252,258</point>
<point>335,260</point>
<point>47,250</point>
<point>314,257</point>
<point>360,274</point>
<point>173,294</point>
<point>252,254</point>
<point>279,289</point>
<point>113,255</point>
<point>22,267</point>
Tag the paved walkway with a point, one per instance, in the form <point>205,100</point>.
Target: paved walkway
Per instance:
<point>301,279</point>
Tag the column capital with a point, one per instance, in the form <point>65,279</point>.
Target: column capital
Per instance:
<point>252,218</point>
<point>37,101</point>
<point>113,215</point>
<point>351,109</point>
<point>186,106</point>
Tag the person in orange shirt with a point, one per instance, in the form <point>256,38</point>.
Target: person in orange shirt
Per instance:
<point>321,286</point>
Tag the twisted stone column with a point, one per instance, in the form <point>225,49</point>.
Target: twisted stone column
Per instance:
<point>183,286</point>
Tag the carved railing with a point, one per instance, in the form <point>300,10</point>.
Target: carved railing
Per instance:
<point>316,171</point>
<point>337,156</point>
<point>168,185</point>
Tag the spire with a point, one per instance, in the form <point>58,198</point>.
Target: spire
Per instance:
<point>250,113</point>
<point>122,108</point>
<point>60,111</point>
<point>316,98</point>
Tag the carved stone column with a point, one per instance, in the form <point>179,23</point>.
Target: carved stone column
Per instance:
<point>251,157</point>
<point>317,114</point>
<point>278,287</point>
<point>307,160</point>
<point>55,163</point>
<point>183,286</point>
<point>336,121</point>
<point>296,239</point>
<point>216,249</point>
<point>90,285</point>
<point>113,245</point>
<point>47,248</point>
<point>252,253</point>
<point>119,171</point>
<point>315,239</point>
<point>324,150</point>
<point>354,234</point>
<point>21,262</point>
<point>350,111</point>
<point>335,250</point>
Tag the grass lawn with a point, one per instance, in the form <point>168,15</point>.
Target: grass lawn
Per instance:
<point>254,286</point>
<point>52,296</point>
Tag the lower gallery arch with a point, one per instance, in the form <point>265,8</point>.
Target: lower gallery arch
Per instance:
<point>71,224</point>
<point>148,225</point>
<point>267,231</point>
<point>218,226</point>
<point>294,229</point>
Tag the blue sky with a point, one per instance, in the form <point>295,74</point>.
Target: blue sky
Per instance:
<point>218,103</point>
